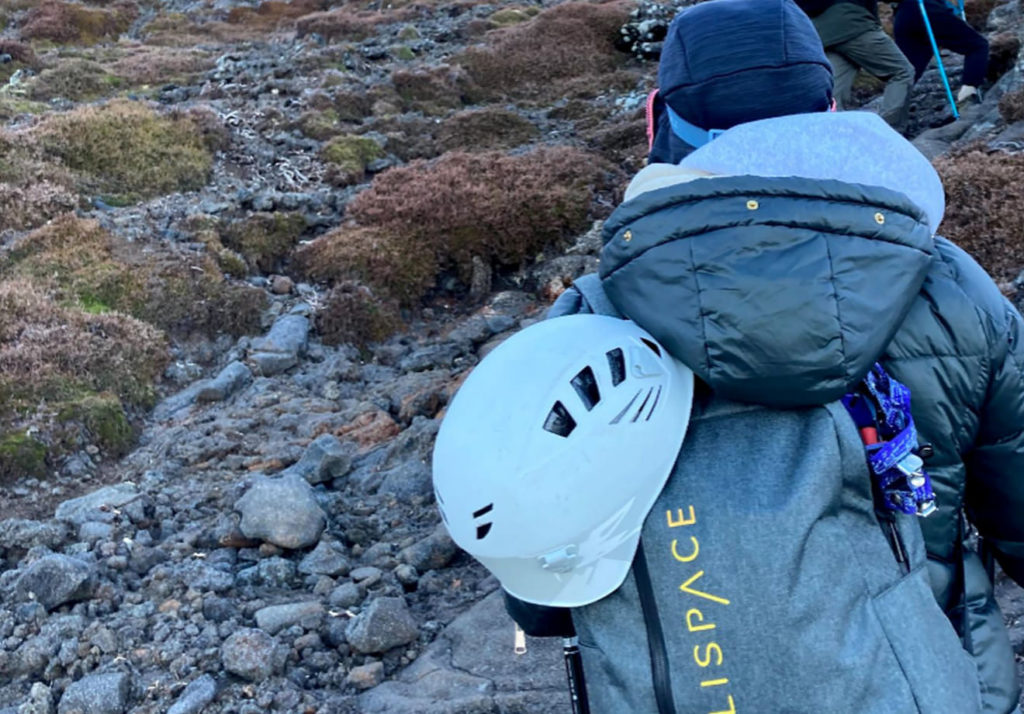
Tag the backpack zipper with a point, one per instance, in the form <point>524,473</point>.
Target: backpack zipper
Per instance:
<point>655,637</point>
<point>896,543</point>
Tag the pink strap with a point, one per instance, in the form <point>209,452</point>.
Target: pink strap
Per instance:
<point>650,119</point>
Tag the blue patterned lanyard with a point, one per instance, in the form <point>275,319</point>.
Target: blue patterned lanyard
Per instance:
<point>880,407</point>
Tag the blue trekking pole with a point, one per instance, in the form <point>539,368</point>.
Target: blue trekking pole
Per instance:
<point>938,58</point>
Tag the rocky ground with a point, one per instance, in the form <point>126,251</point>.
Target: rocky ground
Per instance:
<point>270,542</point>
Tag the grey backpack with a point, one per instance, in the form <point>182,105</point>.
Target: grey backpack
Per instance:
<point>767,581</point>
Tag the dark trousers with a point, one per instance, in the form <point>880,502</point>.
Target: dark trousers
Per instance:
<point>951,33</point>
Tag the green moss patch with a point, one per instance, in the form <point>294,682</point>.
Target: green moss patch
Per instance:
<point>126,149</point>
<point>103,418</point>
<point>21,456</point>
<point>347,157</point>
<point>264,239</point>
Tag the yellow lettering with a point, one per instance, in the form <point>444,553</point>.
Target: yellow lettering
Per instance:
<point>687,559</point>
<point>685,587</point>
<point>714,682</point>
<point>708,649</point>
<point>730,710</point>
<point>682,519</point>
<point>697,628</point>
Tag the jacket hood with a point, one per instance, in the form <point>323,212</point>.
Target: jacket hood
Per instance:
<point>777,261</point>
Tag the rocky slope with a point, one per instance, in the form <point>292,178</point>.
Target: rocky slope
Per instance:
<point>269,540</point>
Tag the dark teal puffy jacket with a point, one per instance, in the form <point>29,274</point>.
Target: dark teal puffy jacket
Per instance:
<point>783,291</point>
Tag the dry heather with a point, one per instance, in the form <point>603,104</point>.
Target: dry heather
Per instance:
<point>82,265</point>
<point>485,129</point>
<point>71,23</point>
<point>984,215</point>
<point>272,14</point>
<point>264,239</point>
<point>416,221</point>
<point>352,314</point>
<point>344,23</point>
<point>1011,106</point>
<point>67,377</point>
<point>532,59</point>
<point>75,79</point>
<point>126,151</point>
<point>32,191</point>
<point>433,90</point>
<point>160,65</point>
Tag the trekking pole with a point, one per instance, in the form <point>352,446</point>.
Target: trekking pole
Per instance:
<point>574,671</point>
<point>938,58</point>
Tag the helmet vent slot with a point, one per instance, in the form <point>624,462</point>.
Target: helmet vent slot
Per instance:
<point>654,347</point>
<point>559,420</point>
<point>585,385</point>
<point>484,528</point>
<point>617,365</point>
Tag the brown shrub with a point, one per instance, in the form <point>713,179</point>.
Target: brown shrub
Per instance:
<point>417,221</point>
<point>984,195</point>
<point>126,150</point>
<point>76,79</point>
<point>161,65</point>
<point>19,52</point>
<point>64,22</point>
<point>271,13</point>
<point>1003,50</point>
<point>435,90</point>
<point>32,191</point>
<point>398,266</point>
<point>562,42</point>
<point>343,23</point>
<point>1011,106</point>
<point>351,314</point>
<point>50,352</point>
<point>977,12</point>
<point>80,264</point>
<point>483,129</point>
<point>264,239</point>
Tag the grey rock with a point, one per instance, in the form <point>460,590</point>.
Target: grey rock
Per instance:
<point>463,671</point>
<point>327,558</point>
<point>282,511</point>
<point>40,700</point>
<point>282,346</point>
<point>233,377</point>
<point>97,694</point>
<point>366,676</point>
<point>432,553</point>
<point>92,531</point>
<point>200,692</point>
<point>440,356</point>
<point>176,403</point>
<point>54,580</point>
<point>99,505</point>
<point>25,534</point>
<point>274,618</point>
<point>384,624</point>
<point>345,595</point>
<point>325,458</point>
<point>249,653</point>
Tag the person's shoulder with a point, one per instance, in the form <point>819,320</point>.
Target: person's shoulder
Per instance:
<point>957,268</point>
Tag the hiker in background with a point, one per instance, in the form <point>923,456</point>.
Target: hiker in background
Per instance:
<point>951,33</point>
<point>948,334</point>
<point>854,40</point>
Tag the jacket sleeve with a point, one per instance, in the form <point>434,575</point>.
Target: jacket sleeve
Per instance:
<point>995,466</point>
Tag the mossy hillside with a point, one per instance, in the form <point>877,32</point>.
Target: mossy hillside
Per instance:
<point>32,190</point>
<point>347,157</point>
<point>263,240</point>
<point>71,23</point>
<point>418,221</point>
<point>82,265</point>
<point>21,455</point>
<point>126,150</point>
<point>102,421</point>
<point>76,79</point>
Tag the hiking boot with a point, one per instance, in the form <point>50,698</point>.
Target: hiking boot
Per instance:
<point>968,96</point>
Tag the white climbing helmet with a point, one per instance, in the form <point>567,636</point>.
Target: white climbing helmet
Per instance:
<point>554,450</point>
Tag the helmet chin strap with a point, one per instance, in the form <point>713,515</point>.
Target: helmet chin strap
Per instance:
<point>691,133</point>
